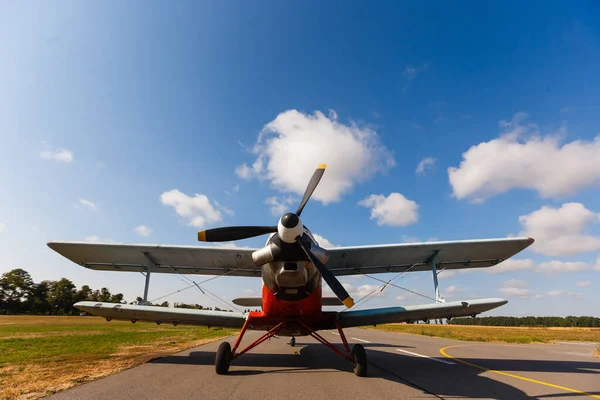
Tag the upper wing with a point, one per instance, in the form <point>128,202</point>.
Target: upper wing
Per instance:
<point>414,256</point>
<point>165,259</point>
<point>238,262</point>
<point>163,314</point>
<point>416,313</point>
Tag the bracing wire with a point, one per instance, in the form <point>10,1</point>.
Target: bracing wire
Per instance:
<point>203,290</point>
<point>387,283</point>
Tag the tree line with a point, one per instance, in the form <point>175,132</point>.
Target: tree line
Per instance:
<point>570,321</point>
<point>19,294</point>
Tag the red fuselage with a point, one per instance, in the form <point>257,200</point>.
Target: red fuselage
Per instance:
<point>275,310</point>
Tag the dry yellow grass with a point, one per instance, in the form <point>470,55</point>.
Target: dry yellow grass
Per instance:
<point>497,334</point>
<point>43,355</point>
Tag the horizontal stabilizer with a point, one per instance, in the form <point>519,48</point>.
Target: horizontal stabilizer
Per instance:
<point>162,314</point>
<point>418,313</point>
<point>257,301</point>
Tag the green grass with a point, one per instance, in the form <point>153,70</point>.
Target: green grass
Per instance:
<point>497,334</point>
<point>42,355</point>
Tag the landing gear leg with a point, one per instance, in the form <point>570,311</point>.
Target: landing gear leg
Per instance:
<point>357,356</point>
<point>293,341</point>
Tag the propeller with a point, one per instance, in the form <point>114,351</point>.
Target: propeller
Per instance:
<point>312,185</point>
<point>234,233</point>
<point>290,230</point>
<point>338,289</point>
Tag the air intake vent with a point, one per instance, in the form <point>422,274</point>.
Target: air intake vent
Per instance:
<point>290,267</point>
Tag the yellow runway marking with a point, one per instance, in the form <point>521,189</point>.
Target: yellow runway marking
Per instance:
<point>443,351</point>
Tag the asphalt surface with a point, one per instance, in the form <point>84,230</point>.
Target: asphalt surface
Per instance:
<point>400,367</point>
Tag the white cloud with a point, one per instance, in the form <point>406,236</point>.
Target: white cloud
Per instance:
<point>584,283</point>
<point>100,165</point>
<point>401,297</point>
<point>236,187</point>
<point>197,210</point>
<point>425,164</point>
<point>514,291</point>
<point>88,204</point>
<point>559,231</point>
<point>143,230</point>
<point>447,273</point>
<point>577,295</point>
<point>224,209</point>
<point>2,227</point>
<point>518,288</point>
<point>96,239</point>
<point>523,159</point>
<point>411,71</point>
<point>228,245</point>
<point>323,242</point>
<point>511,265</point>
<point>60,155</point>
<point>453,289</point>
<point>280,205</point>
<point>555,267</point>
<point>357,292</point>
<point>248,292</point>
<point>555,293</point>
<point>290,147</point>
<point>393,210</point>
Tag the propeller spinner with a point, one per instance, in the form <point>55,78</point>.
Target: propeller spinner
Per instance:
<point>290,230</point>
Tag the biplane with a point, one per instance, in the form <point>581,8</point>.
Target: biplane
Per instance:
<point>292,266</point>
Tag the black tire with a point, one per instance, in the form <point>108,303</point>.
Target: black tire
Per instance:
<point>293,341</point>
<point>360,360</point>
<point>223,358</point>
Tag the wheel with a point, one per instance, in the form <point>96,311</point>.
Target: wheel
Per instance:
<point>360,360</point>
<point>293,341</point>
<point>223,358</point>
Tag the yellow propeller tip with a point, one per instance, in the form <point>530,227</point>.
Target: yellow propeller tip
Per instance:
<point>322,166</point>
<point>202,236</point>
<point>349,302</point>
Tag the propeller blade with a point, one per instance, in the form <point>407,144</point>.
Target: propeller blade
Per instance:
<point>227,234</point>
<point>312,185</point>
<point>331,280</point>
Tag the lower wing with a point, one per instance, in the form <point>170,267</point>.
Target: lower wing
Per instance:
<point>416,313</point>
<point>165,315</point>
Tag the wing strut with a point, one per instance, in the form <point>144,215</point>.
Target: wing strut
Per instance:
<point>432,261</point>
<point>151,263</point>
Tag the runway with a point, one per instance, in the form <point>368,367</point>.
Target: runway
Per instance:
<point>400,367</point>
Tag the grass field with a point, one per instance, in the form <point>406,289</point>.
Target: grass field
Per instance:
<point>497,334</point>
<point>43,355</point>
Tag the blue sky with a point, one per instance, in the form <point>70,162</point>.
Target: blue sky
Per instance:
<point>104,108</point>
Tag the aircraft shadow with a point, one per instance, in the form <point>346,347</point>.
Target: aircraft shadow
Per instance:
<point>426,375</point>
<point>470,382</point>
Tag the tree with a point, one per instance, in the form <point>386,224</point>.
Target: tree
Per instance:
<point>61,296</point>
<point>39,304</point>
<point>104,295</point>
<point>116,298</point>
<point>16,288</point>
<point>85,293</point>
